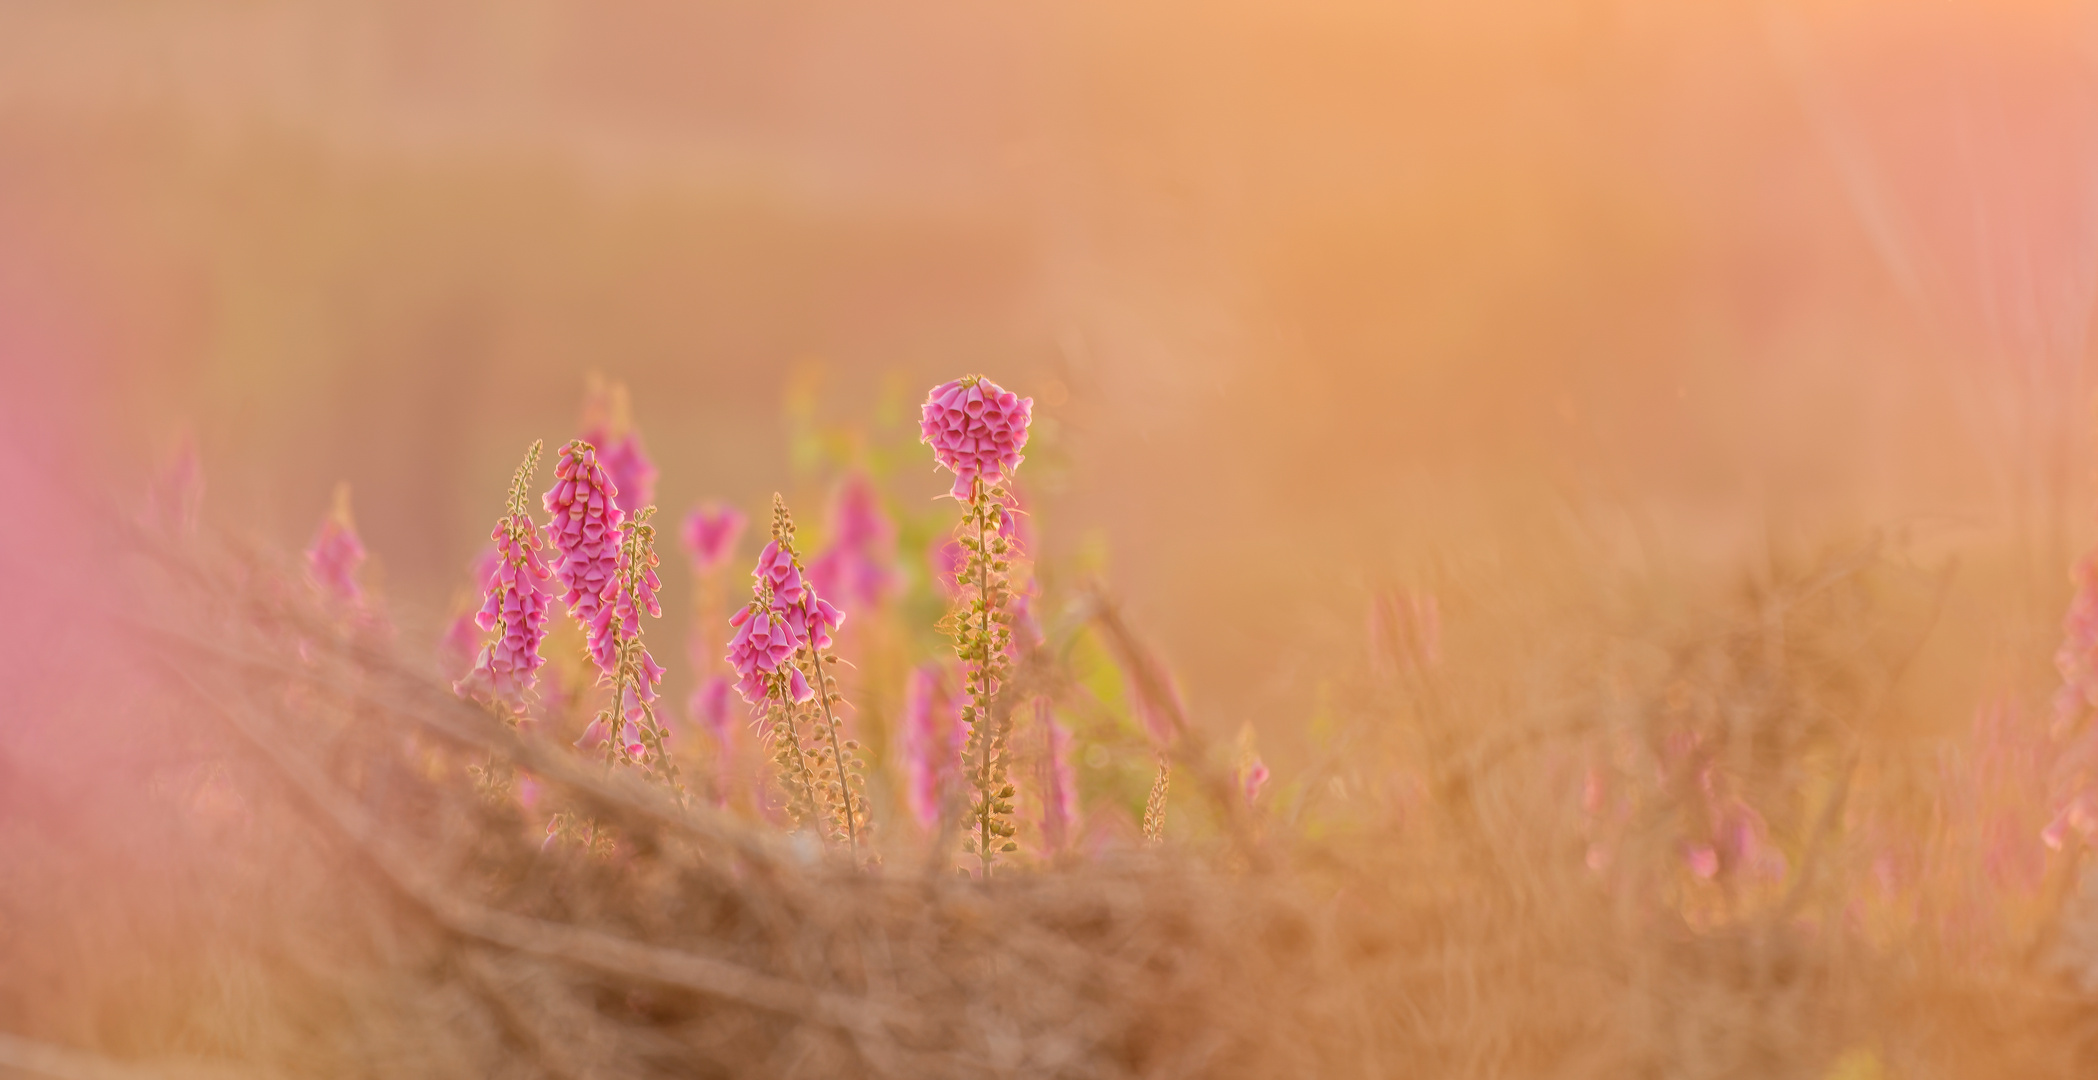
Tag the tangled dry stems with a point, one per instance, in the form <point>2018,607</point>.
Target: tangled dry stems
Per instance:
<point>365,913</point>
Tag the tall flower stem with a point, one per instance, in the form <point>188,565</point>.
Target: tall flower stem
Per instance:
<point>780,639</point>
<point>824,694</point>
<point>814,642</point>
<point>976,430</point>
<point>628,669</point>
<point>792,759</point>
<point>982,685</point>
<point>981,644</point>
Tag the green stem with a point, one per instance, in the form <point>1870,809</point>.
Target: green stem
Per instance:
<point>983,671</point>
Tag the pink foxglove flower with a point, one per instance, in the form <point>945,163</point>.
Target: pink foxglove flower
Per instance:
<point>1059,783</point>
<point>784,615</point>
<point>785,629</point>
<point>762,642</point>
<point>516,610</point>
<point>336,553</point>
<point>608,425</point>
<point>516,606</point>
<point>629,723</point>
<point>976,429</point>
<point>931,743</point>
<point>814,619</point>
<point>631,591</point>
<point>857,566</point>
<point>777,575</point>
<point>584,530</point>
<point>711,532</point>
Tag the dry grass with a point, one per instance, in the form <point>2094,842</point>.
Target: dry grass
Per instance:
<point>287,873</point>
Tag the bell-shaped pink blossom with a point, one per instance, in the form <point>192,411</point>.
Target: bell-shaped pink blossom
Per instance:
<point>784,614</point>
<point>798,686</point>
<point>762,642</point>
<point>776,572</point>
<point>516,611</point>
<point>618,616</point>
<point>584,531</point>
<point>976,429</point>
<point>710,535</point>
<point>813,619</point>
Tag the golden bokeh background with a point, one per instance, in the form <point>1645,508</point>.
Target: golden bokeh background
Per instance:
<point>1312,296</point>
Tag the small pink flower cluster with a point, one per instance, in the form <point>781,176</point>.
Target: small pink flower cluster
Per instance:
<point>585,529</point>
<point>711,532</point>
<point>516,610</point>
<point>613,638</point>
<point>976,429</point>
<point>784,614</point>
<point>620,609</point>
<point>855,567</point>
